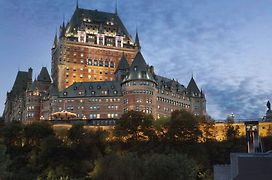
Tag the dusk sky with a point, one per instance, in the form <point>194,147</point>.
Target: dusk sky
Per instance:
<point>226,44</point>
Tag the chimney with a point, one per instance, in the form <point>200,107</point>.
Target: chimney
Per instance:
<point>30,72</point>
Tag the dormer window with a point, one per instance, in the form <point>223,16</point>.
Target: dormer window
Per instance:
<point>101,40</point>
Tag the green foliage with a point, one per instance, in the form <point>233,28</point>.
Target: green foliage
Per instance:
<point>4,162</point>
<point>183,127</point>
<point>167,148</point>
<point>118,167</point>
<point>36,131</point>
<point>156,166</point>
<point>135,126</point>
<point>231,131</point>
<point>171,166</point>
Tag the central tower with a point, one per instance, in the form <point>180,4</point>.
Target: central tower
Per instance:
<point>89,48</point>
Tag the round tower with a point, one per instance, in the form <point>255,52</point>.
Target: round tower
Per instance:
<point>139,87</point>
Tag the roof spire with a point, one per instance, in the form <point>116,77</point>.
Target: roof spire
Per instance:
<point>55,41</point>
<point>116,7</point>
<point>63,21</point>
<point>77,5</point>
<point>137,41</point>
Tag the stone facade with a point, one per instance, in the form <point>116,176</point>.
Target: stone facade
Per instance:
<point>98,72</point>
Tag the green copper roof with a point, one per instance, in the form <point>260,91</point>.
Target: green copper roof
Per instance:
<point>97,17</point>
<point>20,84</point>
<point>192,87</point>
<point>92,89</point>
<point>139,70</point>
<point>44,75</point>
<point>169,84</point>
<point>123,63</point>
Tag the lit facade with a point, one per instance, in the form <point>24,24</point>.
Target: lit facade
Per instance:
<point>98,72</point>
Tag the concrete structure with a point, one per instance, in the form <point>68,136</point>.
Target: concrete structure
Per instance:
<point>245,167</point>
<point>98,73</point>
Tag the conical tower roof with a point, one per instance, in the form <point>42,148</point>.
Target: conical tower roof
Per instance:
<point>139,63</point>
<point>192,87</point>
<point>139,70</point>
<point>123,63</point>
<point>44,75</point>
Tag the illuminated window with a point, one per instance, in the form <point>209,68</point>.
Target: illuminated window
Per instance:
<point>89,61</point>
<point>95,62</point>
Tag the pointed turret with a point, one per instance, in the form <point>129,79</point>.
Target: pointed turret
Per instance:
<point>122,69</point>
<point>137,41</point>
<point>123,63</point>
<point>202,94</point>
<point>77,5</point>
<point>44,75</point>
<point>139,70</point>
<point>55,43</point>
<point>192,87</point>
<point>62,30</point>
<point>116,8</point>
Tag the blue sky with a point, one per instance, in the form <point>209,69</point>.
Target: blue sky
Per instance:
<point>226,44</point>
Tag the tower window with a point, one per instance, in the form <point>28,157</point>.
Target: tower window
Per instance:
<point>106,63</point>
<point>89,61</point>
<point>95,62</point>
<point>111,64</point>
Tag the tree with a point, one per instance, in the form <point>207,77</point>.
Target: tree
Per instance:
<point>129,166</point>
<point>171,166</point>
<point>207,128</point>
<point>135,126</point>
<point>118,167</point>
<point>13,137</point>
<point>36,131</point>
<point>183,127</point>
<point>231,132</point>
<point>160,126</point>
<point>4,162</point>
